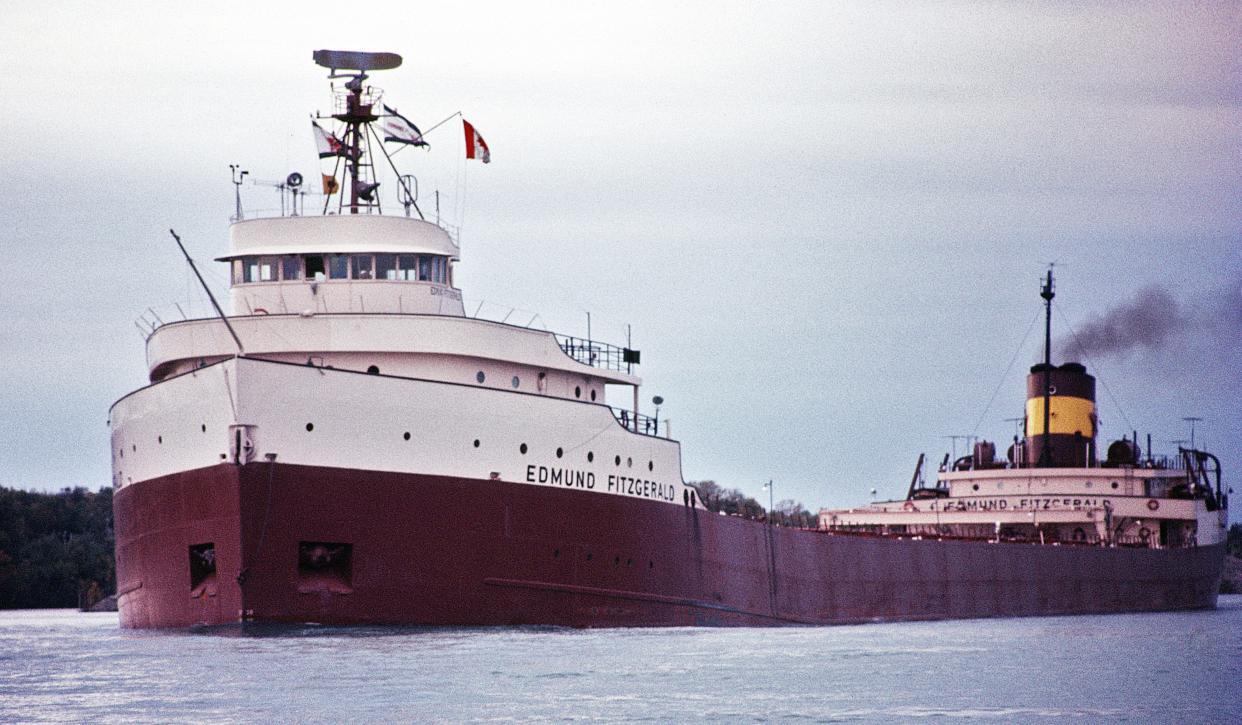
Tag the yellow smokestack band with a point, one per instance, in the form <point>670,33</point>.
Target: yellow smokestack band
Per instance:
<point>1069,416</point>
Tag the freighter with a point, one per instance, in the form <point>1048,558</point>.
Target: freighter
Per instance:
<point>346,445</point>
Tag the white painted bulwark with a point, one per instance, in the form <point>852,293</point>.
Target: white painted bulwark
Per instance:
<point>411,344</point>
<point>341,419</point>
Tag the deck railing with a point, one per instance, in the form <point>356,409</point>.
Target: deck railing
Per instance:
<point>637,423</point>
<point>598,354</point>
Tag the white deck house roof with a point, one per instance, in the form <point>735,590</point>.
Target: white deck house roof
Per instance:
<point>337,234</point>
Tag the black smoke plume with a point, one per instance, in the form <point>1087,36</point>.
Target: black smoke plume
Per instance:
<point>1148,321</point>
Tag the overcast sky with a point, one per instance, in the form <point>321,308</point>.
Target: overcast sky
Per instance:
<point>826,222</point>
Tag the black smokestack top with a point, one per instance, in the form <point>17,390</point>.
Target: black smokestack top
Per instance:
<point>1146,321</point>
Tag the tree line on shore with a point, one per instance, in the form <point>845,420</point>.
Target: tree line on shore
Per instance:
<point>56,549</point>
<point>732,502</point>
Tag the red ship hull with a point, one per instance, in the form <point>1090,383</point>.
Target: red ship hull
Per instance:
<point>423,550</point>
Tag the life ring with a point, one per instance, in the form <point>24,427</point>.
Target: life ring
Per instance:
<point>908,506</point>
<point>260,311</point>
<point>1153,504</point>
<point>1144,533</point>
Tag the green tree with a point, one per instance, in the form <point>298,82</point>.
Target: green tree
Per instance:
<point>56,550</point>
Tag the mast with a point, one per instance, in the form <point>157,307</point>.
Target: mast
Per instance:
<point>1045,454</point>
<point>359,109</point>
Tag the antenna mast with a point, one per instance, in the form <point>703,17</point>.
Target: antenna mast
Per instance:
<point>358,111</point>
<point>1045,454</point>
<point>224,318</point>
<point>238,175</point>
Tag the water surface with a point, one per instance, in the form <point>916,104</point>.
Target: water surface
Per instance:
<point>1185,667</point>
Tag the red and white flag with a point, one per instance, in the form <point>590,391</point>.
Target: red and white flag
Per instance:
<point>476,147</point>
<point>328,144</point>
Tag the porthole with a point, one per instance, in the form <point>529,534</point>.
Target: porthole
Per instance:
<point>616,561</point>
<point>559,452</point>
<point>617,460</point>
<point>556,553</point>
<point>974,487</point>
<point>373,370</point>
<point>516,381</point>
<point>1088,484</point>
<point>592,395</point>
<point>522,448</point>
<point>590,556</point>
<point>476,442</point>
<point>310,427</point>
<point>650,465</point>
<point>479,376</point>
<point>406,435</point>
<point>134,447</point>
<point>1114,484</point>
<point>161,440</point>
<point>590,456</point>
<point>577,391</point>
<point>629,462</point>
<point>650,564</point>
<point>204,427</point>
<point>120,452</point>
<point>629,562</point>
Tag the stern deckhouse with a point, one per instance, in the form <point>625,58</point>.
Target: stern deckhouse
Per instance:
<point>1051,488</point>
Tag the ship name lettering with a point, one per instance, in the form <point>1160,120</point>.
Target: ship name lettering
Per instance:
<point>640,487</point>
<point>974,504</point>
<point>446,293</point>
<point>1046,504</point>
<point>571,477</point>
<point>1049,503</point>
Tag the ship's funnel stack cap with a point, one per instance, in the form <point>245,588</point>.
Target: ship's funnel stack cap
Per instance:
<point>1071,420</point>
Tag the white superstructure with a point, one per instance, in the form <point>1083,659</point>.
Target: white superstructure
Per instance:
<point>346,345</point>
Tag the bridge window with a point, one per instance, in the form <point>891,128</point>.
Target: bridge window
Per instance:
<point>237,271</point>
<point>338,266</point>
<point>386,266</point>
<point>314,268</point>
<point>408,267</point>
<point>290,268</point>
<point>260,269</point>
<point>362,266</point>
<point>424,268</point>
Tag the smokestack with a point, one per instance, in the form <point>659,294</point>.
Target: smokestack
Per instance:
<point>1071,417</point>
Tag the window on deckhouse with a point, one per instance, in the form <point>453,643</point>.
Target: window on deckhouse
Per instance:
<point>260,269</point>
<point>290,268</point>
<point>386,266</point>
<point>408,264</point>
<point>338,266</point>
<point>361,266</point>
<point>314,268</point>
